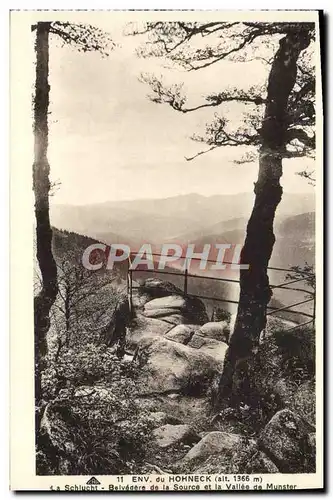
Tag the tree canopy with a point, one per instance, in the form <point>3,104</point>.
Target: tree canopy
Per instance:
<point>196,46</point>
<point>84,37</point>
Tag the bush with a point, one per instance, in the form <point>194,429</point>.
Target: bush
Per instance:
<point>297,349</point>
<point>283,367</point>
<point>85,365</point>
<point>95,423</point>
<point>108,431</point>
<point>221,315</point>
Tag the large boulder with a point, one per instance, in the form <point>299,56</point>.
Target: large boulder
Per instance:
<point>170,435</point>
<point>303,402</point>
<point>260,463</point>
<point>285,440</point>
<point>155,287</point>
<point>209,346</point>
<point>217,330</point>
<point>162,313</point>
<point>56,426</point>
<point>168,366</point>
<point>180,309</point>
<point>215,442</point>
<point>182,333</point>
<point>169,302</point>
<point>144,331</point>
<point>174,319</point>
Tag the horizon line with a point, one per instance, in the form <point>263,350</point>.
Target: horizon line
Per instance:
<point>173,196</point>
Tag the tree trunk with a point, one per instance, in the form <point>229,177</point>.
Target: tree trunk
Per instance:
<point>255,292</point>
<point>41,186</point>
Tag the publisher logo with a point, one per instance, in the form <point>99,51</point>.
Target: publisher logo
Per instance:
<point>93,480</point>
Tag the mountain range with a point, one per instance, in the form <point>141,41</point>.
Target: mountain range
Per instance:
<point>183,218</point>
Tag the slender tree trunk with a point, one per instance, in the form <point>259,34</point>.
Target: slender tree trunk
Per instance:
<point>67,313</point>
<point>255,292</point>
<point>41,185</point>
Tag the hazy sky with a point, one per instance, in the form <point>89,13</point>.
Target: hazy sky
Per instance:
<point>109,142</point>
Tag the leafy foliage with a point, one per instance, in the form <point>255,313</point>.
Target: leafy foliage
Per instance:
<point>220,314</point>
<point>85,364</point>
<point>94,398</point>
<point>195,46</point>
<point>284,362</point>
<point>84,37</point>
<point>306,273</point>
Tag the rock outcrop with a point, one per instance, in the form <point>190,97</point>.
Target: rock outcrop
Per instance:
<point>173,353</point>
<point>144,331</point>
<point>285,441</point>
<point>154,288</point>
<point>181,353</point>
<point>168,366</point>
<point>260,463</point>
<point>210,453</point>
<point>284,445</point>
<point>211,347</point>
<point>218,330</point>
<point>170,435</point>
<point>182,333</point>
<point>176,309</point>
<point>56,427</point>
<point>212,443</point>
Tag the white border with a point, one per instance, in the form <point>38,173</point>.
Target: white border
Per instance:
<point>122,5</point>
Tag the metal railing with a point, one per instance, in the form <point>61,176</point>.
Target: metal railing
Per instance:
<point>271,309</point>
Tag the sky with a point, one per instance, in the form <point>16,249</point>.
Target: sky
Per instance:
<point>109,142</point>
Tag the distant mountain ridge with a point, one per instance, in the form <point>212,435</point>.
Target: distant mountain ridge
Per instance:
<point>70,243</point>
<point>162,220</point>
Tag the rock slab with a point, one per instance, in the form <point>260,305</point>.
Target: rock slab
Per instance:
<point>170,435</point>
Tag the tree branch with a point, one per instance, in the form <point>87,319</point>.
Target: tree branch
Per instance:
<point>173,95</point>
<point>85,37</point>
<point>171,39</point>
<point>189,158</point>
<point>301,136</point>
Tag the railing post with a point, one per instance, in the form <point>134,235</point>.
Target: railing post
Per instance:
<point>127,278</point>
<point>185,282</point>
<point>129,286</point>
<point>131,291</point>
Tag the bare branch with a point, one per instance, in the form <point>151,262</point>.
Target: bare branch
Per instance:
<point>308,176</point>
<point>189,158</point>
<point>54,187</point>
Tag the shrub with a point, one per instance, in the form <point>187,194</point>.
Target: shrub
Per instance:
<point>93,407</point>
<point>108,431</point>
<point>221,315</point>
<point>84,365</point>
<point>283,367</point>
<point>297,348</point>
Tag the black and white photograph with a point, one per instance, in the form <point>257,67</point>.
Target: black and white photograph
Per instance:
<point>167,185</point>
